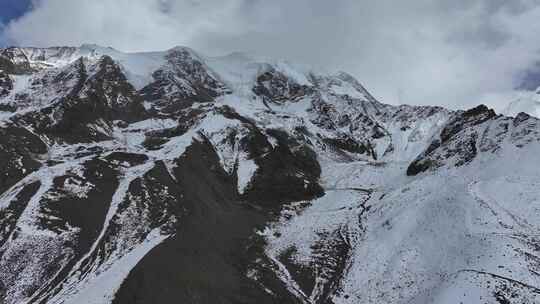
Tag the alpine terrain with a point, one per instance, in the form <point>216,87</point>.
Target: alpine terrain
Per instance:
<point>527,102</point>
<point>173,177</point>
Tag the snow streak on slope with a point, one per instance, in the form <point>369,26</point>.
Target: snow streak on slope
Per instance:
<point>117,198</point>
<point>28,234</point>
<point>322,234</point>
<point>101,288</point>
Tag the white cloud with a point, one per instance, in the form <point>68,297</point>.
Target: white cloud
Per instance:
<point>453,52</point>
<point>3,39</point>
<point>129,25</point>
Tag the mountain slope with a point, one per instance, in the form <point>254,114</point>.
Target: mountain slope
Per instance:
<point>174,177</point>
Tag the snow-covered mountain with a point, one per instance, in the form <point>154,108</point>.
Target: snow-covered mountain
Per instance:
<point>172,177</point>
<point>526,102</point>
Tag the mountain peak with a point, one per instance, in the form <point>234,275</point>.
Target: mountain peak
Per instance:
<point>528,102</point>
<point>183,49</point>
<point>91,47</point>
<point>94,46</point>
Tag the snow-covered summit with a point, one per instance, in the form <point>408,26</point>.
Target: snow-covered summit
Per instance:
<point>526,102</point>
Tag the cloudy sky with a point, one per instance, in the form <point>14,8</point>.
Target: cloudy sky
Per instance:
<point>455,53</point>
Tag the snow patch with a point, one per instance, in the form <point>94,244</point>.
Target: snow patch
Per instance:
<point>246,170</point>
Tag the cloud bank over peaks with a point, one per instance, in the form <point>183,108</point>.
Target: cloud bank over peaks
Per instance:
<point>453,53</point>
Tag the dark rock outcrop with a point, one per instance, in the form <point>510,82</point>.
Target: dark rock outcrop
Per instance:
<point>457,142</point>
<point>6,84</point>
<point>20,153</point>
<point>274,86</point>
<point>183,81</point>
<point>14,61</point>
<point>213,237</point>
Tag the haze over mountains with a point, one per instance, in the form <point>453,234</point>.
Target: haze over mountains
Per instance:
<point>175,177</point>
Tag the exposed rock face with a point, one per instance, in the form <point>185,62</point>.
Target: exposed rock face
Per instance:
<point>473,131</point>
<point>183,80</point>
<point>20,153</point>
<point>14,61</point>
<point>274,86</point>
<point>2,293</point>
<point>173,177</point>
<point>6,84</point>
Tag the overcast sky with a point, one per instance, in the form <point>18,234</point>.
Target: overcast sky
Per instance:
<point>455,53</point>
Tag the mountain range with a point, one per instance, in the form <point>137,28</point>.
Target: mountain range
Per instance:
<point>174,177</point>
